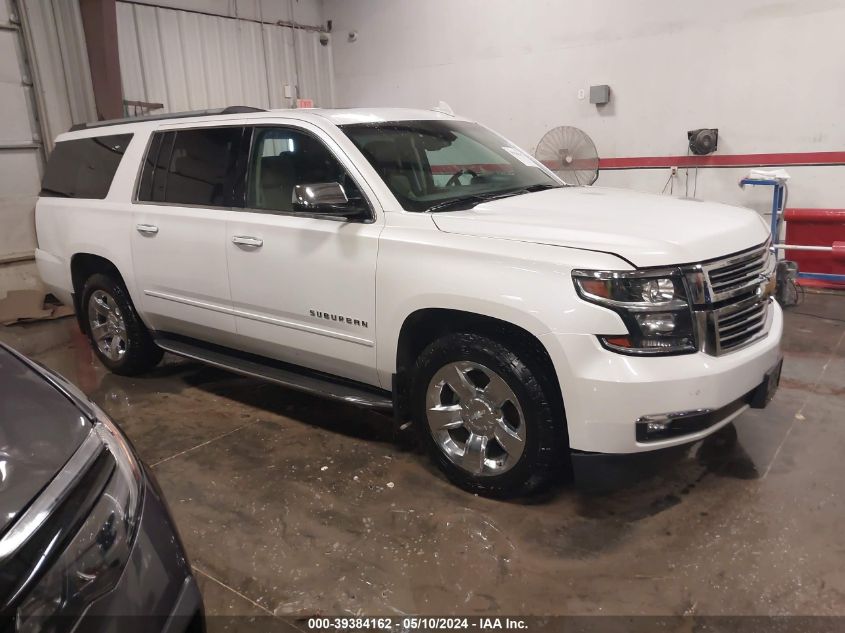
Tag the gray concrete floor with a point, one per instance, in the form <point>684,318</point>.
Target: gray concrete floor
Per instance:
<point>290,505</point>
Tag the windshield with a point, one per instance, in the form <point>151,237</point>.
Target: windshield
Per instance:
<point>446,165</point>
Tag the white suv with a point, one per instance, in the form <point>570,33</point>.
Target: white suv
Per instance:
<point>415,261</point>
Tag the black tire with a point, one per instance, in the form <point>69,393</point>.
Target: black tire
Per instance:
<point>545,451</point>
<point>140,353</point>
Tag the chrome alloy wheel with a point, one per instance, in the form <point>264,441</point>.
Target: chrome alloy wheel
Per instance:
<point>108,329</point>
<point>475,418</point>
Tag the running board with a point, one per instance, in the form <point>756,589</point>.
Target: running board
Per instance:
<point>280,373</point>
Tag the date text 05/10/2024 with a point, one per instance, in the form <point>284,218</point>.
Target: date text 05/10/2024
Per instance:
<point>410,623</point>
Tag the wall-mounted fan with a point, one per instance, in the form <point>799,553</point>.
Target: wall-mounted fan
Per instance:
<point>571,154</point>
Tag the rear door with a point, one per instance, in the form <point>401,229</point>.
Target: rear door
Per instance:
<point>183,200</point>
<point>303,284</point>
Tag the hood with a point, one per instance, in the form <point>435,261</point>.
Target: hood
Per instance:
<point>40,429</point>
<point>645,229</point>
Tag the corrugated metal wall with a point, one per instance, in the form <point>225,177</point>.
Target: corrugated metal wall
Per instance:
<point>41,45</point>
<point>191,61</point>
<point>61,60</point>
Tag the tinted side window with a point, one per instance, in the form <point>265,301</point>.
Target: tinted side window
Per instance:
<point>145,188</point>
<point>159,166</point>
<point>201,167</point>
<point>154,173</point>
<point>84,168</point>
<point>283,158</point>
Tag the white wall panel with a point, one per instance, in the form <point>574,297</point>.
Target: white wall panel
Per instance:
<point>61,64</point>
<point>214,69</point>
<point>280,60</point>
<point>15,120</point>
<point>10,68</point>
<point>170,35</point>
<point>189,60</point>
<point>767,73</point>
<point>194,37</point>
<point>58,60</point>
<point>151,57</point>
<point>131,71</point>
<point>20,169</point>
<point>20,181</point>
<point>74,53</point>
<point>315,65</point>
<point>230,52</point>
<point>253,70</point>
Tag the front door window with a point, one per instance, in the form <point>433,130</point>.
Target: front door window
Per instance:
<point>283,158</point>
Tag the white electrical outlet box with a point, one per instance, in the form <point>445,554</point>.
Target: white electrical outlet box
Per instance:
<point>288,91</point>
<point>581,93</point>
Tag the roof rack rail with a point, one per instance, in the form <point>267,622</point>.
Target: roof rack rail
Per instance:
<point>169,115</point>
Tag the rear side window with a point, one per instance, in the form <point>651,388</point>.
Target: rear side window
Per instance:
<point>85,167</point>
<point>191,167</point>
<point>145,188</point>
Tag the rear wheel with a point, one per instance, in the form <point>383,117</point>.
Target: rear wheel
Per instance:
<point>119,338</point>
<point>487,416</point>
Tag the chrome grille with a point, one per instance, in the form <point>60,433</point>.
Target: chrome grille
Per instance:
<point>731,298</point>
<point>740,323</point>
<point>735,275</point>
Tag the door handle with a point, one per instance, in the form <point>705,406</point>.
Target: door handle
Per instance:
<point>148,229</point>
<point>246,240</point>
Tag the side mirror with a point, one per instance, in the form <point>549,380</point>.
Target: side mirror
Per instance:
<point>327,198</point>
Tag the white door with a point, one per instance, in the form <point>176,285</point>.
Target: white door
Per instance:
<point>179,232</point>
<point>303,286</point>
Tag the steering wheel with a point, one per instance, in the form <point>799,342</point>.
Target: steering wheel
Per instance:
<point>455,180</point>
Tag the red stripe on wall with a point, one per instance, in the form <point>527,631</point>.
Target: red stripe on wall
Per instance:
<point>783,159</point>
<point>725,160</point>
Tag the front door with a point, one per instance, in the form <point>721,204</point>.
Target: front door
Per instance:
<point>303,285</point>
<point>179,232</point>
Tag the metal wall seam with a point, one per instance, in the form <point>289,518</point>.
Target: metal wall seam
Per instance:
<point>189,60</point>
<point>77,69</point>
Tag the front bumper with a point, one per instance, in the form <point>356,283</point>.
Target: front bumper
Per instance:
<point>605,393</point>
<point>602,472</point>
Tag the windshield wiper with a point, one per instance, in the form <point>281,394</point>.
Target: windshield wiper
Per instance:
<point>471,201</point>
<point>540,187</point>
<point>481,197</point>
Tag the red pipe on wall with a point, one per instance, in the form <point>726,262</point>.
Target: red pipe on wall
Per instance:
<point>818,216</point>
<point>817,227</point>
<point>782,159</point>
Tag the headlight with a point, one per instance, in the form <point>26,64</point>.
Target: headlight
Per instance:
<point>653,306</point>
<point>94,559</point>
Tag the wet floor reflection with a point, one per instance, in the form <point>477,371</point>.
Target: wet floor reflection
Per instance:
<point>304,506</point>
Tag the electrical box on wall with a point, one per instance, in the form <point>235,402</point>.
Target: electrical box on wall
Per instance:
<point>600,94</point>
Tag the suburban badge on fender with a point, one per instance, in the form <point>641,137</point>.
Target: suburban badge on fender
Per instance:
<point>328,316</point>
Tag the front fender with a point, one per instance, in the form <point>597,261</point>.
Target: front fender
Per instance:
<point>527,285</point>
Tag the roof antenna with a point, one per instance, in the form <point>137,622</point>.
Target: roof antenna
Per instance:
<point>444,108</point>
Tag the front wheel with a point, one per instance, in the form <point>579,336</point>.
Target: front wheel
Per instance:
<point>487,415</point>
<point>119,338</point>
